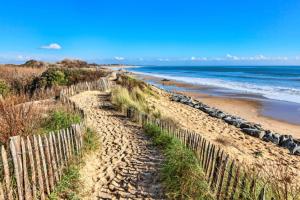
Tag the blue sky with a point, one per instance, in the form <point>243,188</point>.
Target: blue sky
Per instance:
<point>159,32</point>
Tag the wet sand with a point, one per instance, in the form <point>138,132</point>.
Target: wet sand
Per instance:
<point>249,109</point>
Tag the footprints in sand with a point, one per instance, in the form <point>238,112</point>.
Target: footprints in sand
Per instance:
<point>126,166</point>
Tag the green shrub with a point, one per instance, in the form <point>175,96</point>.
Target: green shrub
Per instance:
<point>182,177</point>
<point>4,88</point>
<point>68,186</point>
<point>91,140</point>
<point>60,120</point>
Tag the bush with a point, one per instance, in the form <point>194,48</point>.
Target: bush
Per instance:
<point>182,177</point>
<point>4,88</point>
<point>60,120</point>
<point>64,77</point>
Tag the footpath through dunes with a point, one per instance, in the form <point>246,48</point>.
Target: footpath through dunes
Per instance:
<point>126,166</point>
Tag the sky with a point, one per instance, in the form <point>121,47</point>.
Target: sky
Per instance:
<point>160,32</point>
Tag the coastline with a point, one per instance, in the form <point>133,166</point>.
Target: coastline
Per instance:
<point>248,108</point>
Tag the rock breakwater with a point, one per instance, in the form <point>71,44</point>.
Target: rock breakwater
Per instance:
<point>249,128</point>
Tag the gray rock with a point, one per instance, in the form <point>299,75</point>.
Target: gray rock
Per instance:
<point>271,137</point>
<point>254,132</point>
<point>197,106</point>
<point>276,138</point>
<point>220,115</point>
<point>296,150</point>
<point>286,141</point>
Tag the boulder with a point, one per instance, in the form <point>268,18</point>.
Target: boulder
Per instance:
<point>296,150</point>
<point>286,141</point>
<point>254,132</point>
<point>220,115</point>
<point>271,137</point>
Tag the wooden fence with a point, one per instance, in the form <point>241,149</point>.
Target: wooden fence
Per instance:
<point>30,167</point>
<point>227,179</point>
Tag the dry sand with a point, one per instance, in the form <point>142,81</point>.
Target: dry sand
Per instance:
<point>126,166</point>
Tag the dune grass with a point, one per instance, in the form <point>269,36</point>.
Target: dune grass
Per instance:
<point>135,98</point>
<point>182,177</point>
<point>60,120</point>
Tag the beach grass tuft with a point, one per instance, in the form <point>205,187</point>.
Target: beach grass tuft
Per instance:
<point>182,177</point>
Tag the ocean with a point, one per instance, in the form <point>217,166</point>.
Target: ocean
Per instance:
<point>278,85</point>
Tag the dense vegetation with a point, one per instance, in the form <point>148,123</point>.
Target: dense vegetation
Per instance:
<point>35,75</point>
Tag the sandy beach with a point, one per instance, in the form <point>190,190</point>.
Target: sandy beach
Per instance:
<point>249,109</point>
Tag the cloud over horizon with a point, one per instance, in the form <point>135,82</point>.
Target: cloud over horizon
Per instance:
<point>54,46</point>
<point>119,58</point>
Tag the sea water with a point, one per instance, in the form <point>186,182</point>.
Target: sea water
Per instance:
<point>278,86</point>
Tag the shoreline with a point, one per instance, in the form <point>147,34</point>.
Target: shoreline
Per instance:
<point>245,107</point>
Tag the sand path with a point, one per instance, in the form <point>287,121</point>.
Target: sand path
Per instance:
<point>126,166</point>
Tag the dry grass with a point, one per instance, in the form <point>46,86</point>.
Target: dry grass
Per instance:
<point>17,118</point>
<point>280,179</point>
<point>9,73</point>
<point>19,77</point>
<point>223,141</point>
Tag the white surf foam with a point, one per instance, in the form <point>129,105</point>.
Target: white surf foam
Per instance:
<point>270,92</point>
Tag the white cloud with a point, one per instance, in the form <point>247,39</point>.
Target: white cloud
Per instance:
<point>231,57</point>
<point>198,58</point>
<point>119,58</point>
<point>164,59</point>
<point>54,46</point>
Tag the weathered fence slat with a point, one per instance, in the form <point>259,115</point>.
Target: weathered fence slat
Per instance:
<point>226,191</point>
<point>7,180</point>
<point>49,162</point>
<point>208,152</point>
<point>53,158</point>
<point>39,169</point>
<point>216,171</point>
<point>44,165</point>
<point>212,162</point>
<point>32,167</point>
<point>1,192</point>
<point>243,186</point>
<point>222,173</point>
<point>235,183</point>
<point>17,169</point>
<point>27,189</point>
